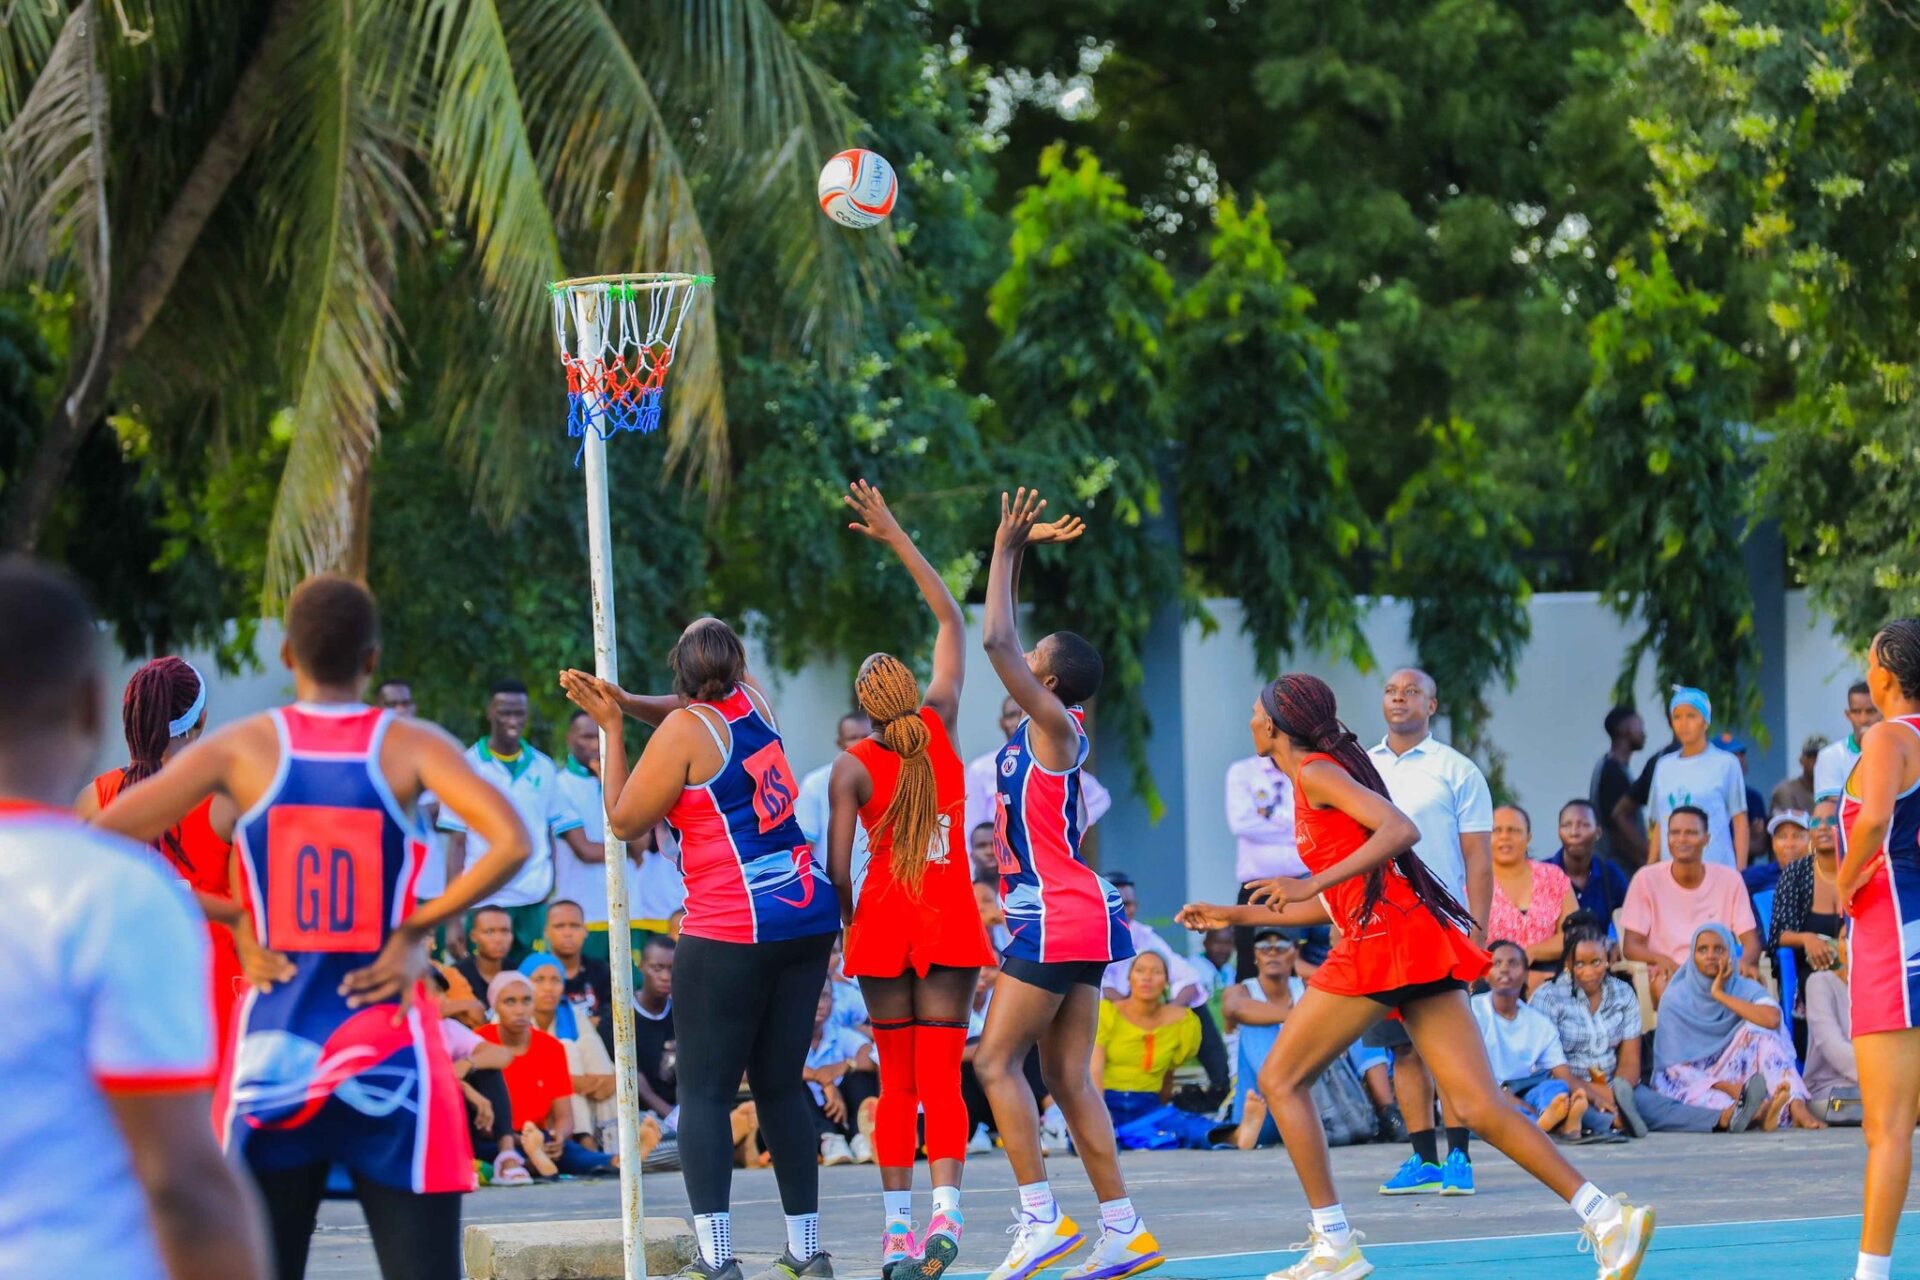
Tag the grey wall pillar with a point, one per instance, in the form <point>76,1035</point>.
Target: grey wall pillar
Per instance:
<point>1766,559</point>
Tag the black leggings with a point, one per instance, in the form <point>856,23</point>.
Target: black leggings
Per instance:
<point>747,1007</point>
<point>492,1086</point>
<point>415,1236</point>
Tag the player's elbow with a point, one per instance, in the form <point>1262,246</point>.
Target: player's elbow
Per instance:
<point>626,827</point>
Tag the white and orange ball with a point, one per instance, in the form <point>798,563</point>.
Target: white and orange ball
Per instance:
<point>857,188</point>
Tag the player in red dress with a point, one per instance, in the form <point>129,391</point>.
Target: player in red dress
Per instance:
<point>1403,952</point>
<point>914,938</point>
<point>163,712</point>
<point>1879,883</point>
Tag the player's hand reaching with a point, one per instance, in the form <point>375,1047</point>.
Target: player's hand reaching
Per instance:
<point>1018,516</point>
<point>876,518</point>
<point>1279,891</point>
<point>1202,916</point>
<point>598,698</point>
<point>1065,529</point>
<point>394,975</point>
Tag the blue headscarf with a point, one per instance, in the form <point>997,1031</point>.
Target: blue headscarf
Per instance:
<point>1693,1026</point>
<point>564,1027</point>
<point>1688,696</point>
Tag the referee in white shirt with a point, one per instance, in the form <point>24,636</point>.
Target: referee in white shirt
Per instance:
<point>1446,796</point>
<point>1260,815</point>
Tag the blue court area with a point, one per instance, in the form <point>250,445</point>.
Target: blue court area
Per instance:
<point>1807,1249</point>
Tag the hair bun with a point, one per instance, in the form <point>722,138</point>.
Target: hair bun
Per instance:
<point>1332,737</point>
<point>713,690</point>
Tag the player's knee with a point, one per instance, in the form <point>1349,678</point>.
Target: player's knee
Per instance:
<point>1278,1080</point>
<point>1476,1108</point>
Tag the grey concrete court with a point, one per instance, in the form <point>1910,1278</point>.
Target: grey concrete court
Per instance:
<point>1206,1204</point>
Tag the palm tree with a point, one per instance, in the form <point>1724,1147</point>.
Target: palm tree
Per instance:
<point>241,195</point>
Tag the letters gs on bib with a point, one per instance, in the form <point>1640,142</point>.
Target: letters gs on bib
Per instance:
<point>857,188</point>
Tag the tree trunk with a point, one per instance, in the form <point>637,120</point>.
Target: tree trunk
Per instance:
<point>137,304</point>
<point>360,531</point>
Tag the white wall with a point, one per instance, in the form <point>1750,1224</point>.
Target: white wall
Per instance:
<point>1819,669</point>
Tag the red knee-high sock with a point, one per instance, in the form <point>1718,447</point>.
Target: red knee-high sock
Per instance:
<point>897,1119</point>
<point>937,1049</point>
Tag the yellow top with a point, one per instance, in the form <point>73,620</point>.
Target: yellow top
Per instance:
<point>1138,1060</point>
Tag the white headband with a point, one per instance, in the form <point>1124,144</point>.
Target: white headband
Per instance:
<point>192,715</point>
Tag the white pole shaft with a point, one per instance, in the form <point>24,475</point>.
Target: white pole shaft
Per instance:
<point>590,310</point>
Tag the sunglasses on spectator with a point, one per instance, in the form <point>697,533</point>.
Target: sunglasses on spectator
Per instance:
<point>1814,824</point>
<point>1273,944</point>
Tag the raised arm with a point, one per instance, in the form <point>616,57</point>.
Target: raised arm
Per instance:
<point>647,708</point>
<point>1055,737</point>
<point>950,644</point>
<point>636,801</point>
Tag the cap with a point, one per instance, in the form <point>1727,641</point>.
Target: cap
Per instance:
<point>1272,931</point>
<point>1727,742</point>
<point>1814,745</point>
<point>1795,817</point>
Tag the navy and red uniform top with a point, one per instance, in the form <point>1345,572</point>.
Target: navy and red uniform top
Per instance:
<point>1883,962</point>
<point>1059,909</point>
<point>329,860</point>
<point>751,875</point>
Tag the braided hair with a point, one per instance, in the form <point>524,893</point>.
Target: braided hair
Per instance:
<point>1302,707</point>
<point>890,696</point>
<point>1898,647</point>
<point>159,693</point>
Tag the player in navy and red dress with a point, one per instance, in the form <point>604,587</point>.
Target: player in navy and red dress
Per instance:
<point>1404,952</point>
<point>338,1058</point>
<point>915,941</point>
<point>760,922</point>
<point>1066,924</point>
<point>1879,883</point>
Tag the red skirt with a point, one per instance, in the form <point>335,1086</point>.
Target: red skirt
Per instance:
<point>1404,945</point>
<point>893,932</point>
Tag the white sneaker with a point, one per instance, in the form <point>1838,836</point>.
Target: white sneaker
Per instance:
<point>862,1149</point>
<point>1117,1256</point>
<point>1053,1131</point>
<point>1325,1260</point>
<point>981,1143</point>
<point>1620,1245</point>
<point>1037,1245</point>
<point>834,1150</point>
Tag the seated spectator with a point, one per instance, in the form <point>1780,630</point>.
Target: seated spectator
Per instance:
<point>1530,899</point>
<point>993,914</point>
<point>1807,919</point>
<point>1254,1011</point>
<point>477,1066</point>
<point>457,1000</point>
<point>1142,1038</point>
<point>654,1051</point>
<point>1797,792</point>
<point>1186,985</point>
<point>1599,885</point>
<point>589,981</point>
<point>842,1074</point>
<point>1524,1049</point>
<point>1718,1038</point>
<point>596,1116</point>
<point>1597,1018</point>
<point>849,1006</point>
<point>1669,902</point>
<point>489,940</point>
<point>539,1085</point>
<point>986,861</point>
<point>1833,1079</point>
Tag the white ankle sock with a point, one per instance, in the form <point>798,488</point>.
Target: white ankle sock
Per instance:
<point>946,1200</point>
<point>1331,1222</point>
<point>1873,1266</point>
<point>898,1204</point>
<point>1118,1218</point>
<point>803,1235</point>
<point>716,1237</point>
<point>1037,1199</point>
<point>1596,1208</point>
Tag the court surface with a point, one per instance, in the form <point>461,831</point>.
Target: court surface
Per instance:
<point>1750,1207</point>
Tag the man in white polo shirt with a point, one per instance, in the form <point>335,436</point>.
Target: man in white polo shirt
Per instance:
<point>108,1165</point>
<point>1446,796</point>
<point>529,779</point>
<point>1836,759</point>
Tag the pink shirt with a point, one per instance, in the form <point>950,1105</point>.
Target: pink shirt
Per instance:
<point>1541,919</point>
<point>1668,915</point>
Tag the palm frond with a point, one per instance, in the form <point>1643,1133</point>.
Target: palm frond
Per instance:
<point>52,185</point>
<point>619,184</point>
<point>28,31</point>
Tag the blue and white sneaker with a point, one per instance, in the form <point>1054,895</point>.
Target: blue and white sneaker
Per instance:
<point>1456,1175</point>
<point>1416,1177</point>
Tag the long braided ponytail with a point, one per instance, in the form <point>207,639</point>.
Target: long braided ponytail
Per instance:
<point>890,696</point>
<point>161,692</point>
<point>1303,708</point>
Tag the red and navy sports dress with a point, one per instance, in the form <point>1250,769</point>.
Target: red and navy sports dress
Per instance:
<point>329,861</point>
<point>1404,944</point>
<point>1059,909</point>
<point>751,875</point>
<point>1883,966</point>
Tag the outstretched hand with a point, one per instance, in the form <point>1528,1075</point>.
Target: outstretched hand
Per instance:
<point>1018,517</point>
<point>1279,891</point>
<point>1065,529</point>
<point>598,698</point>
<point>876,518</point>
<point>1202,916</point>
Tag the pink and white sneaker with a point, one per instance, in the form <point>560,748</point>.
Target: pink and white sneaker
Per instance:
<point>941,1246</point>
<point>897,1246</point>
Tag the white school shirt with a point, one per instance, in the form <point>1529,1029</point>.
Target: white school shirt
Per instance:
<point>1712,781</point>
<point>432,881</point>
<point>540,804</point>
<point>1446,796</point>
<point>1260,815</point>
<point>104,972</point>
<point>583,882</point>
<point>983,794</point>
<point>655,888</point>
<point>1832,765</point>
<point>1526,1045</point>
<point>814,809</point>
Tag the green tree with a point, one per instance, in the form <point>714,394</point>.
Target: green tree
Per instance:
<point>1266,512</point>
<point>1656,449</point>
<point>1453,546</point>
<point>1079,377</point>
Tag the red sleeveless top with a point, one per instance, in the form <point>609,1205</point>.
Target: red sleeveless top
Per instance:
<point>950,864</point>
<point>1404,944</point>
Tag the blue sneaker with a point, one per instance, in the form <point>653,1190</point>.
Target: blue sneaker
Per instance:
<point>1415,1178</point>
<point>1456,1175</point>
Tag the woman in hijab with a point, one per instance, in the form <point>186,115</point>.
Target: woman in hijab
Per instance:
<point>1719,1038</point>
<point>595,1111</point>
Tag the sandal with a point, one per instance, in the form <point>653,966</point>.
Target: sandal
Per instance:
<point>511,1175</point>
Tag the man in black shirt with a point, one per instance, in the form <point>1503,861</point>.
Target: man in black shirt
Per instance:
<point>1620,832</point>
<point>653,1043</point>
<point>589,982</point>
<point>489,940</point>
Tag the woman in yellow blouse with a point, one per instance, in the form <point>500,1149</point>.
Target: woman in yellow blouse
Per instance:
<point>1141,1041</point>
